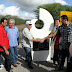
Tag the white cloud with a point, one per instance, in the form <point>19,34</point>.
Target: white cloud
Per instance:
<point>25,8</point>
<point>27,15</point>
<point>61,2</point>
<point>15,11</point>
<point>30,5</point>
<point>1,8</point>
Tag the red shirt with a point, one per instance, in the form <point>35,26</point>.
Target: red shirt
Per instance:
<point>4,41</point>
<point>57,42</point>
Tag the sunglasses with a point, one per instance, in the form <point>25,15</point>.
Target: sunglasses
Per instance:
<point>30,24</point>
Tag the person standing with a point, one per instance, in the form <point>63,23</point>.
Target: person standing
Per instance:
<point>13,36</point>
<point>4,45</point>
<point>26,40</point>
<point>56,41</point>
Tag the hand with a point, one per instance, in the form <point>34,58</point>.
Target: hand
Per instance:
<point>7,34</point>
<point>7,52</point>
<point>42,40</point>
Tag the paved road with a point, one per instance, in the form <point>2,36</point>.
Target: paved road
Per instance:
<point>38,66</point>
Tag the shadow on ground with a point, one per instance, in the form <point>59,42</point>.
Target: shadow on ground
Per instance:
<point>41,66</point>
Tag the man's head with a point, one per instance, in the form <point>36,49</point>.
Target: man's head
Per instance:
<point>11,23</point>
<point>64,19</point>
<point>3,22</point>
<point>57,23</point>
<point>28,24</point>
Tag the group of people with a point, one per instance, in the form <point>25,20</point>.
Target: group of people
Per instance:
<point>63,38</point>
<point>9,40</point>
<point>65,32</point>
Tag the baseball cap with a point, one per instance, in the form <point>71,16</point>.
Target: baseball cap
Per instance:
<point>28,22</point>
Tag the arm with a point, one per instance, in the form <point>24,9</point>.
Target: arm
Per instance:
<point>6,51</point>
<point>18,37</point>
<point>36,40</point>
<point>7,31</point>
<point>28,35</point>
<point>49,36</point>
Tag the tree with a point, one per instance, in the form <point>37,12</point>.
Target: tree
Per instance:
<point>54,9</point>
<point>17,20</point>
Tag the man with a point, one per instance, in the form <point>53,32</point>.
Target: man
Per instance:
<point>64,30</point>
<point>4,45</point>
<point>13,36</point>
<point>26,42</point>
<point>55,40</point>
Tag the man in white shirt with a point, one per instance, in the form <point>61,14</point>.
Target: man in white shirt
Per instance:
<point>26,42</point>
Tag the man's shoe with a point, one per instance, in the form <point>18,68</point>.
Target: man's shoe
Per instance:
<point>58,69</point>
<point>1,68</point>
<point>11,70</point>
<point>15,65</point>
<point>67,71</point>
<point>25,60</point>
<point>30,66</point>
<point>54,64</point>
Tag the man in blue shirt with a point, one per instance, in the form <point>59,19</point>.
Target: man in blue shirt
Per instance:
<point>13,36</point>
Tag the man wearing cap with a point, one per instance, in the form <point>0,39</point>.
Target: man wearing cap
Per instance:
<point>26,42</point>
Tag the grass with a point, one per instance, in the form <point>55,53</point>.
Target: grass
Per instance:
<point>20,28</point>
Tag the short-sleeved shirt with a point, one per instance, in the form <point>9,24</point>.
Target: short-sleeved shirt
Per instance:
<point>26,38</point>
<point>64,31</point>
<point>4,41</point>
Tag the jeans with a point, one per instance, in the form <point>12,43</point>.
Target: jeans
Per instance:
<point>63,54</point>
<point>28,54</point>
<point>7,61</point>
<point>13,51</point>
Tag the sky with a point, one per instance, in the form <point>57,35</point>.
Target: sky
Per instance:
<point>24,8</point>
